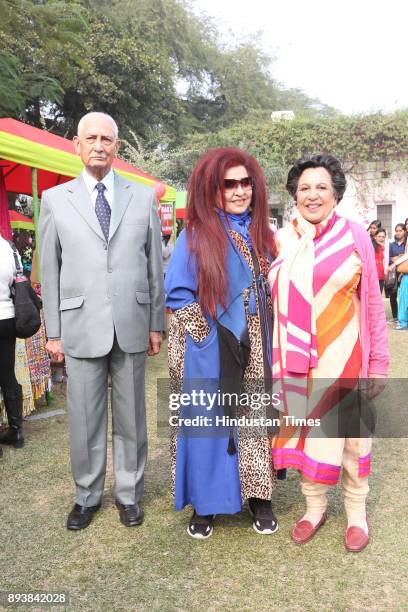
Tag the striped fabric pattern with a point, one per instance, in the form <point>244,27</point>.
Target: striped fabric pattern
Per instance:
<point>316,344</point>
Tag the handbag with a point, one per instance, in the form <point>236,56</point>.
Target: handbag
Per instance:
<point>391,280</point>
<point>27,304</point>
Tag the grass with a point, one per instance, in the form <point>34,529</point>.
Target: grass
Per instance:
<point>158,567</point>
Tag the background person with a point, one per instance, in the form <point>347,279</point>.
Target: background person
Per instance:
<point>331,327</point>
<point>167,250</point>
<point>221,331</point>
<point>402,324</point>
<point>12,392</point>
<point>373,227</point>
<point>103,301</point>
<point>378,241</point>
<point>397,248</point>
<point>25,245</point>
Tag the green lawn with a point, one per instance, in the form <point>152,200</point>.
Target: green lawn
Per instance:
<point>158,567</point>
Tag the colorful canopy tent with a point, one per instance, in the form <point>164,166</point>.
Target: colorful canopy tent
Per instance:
<point>5,229</point>
<point>32,160</point>
<point>181,198</point>
<point>18,221</point>
<point>23,147</point>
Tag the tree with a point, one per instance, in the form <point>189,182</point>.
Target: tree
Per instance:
<point>40,42</point>
<point>355,140</point>
<point>12,99</point>
<point>155,66</point>
<point>297,101</point>
<point>237,84</point>
<point>124,76</point>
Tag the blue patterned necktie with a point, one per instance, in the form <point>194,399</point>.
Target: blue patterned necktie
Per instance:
<point>103,210</point>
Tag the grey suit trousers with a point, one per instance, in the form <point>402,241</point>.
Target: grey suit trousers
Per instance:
<point>88,418</point>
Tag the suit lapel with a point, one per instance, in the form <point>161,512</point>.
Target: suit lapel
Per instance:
<point>122,197</point>
<point>80,199</point>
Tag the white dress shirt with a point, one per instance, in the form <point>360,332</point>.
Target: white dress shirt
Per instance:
<point>108,181</point>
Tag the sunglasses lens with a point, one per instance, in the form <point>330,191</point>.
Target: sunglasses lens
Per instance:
<point>245,183</point>
<point>230,184</point>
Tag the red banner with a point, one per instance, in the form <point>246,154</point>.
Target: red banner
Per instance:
<point>166,215</point>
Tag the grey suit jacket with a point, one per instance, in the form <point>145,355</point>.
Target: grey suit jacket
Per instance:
<point>91,288</point>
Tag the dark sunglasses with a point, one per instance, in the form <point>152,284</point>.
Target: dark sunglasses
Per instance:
<point>246,183</point>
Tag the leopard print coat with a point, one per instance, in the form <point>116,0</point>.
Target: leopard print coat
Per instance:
<point>257,475</point>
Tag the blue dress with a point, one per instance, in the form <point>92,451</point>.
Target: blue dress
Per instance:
<point>207,476</point>
<point>204,473</point>
<point>403,302</point>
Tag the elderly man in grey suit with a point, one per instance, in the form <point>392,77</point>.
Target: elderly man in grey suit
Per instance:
<point>102,287</point>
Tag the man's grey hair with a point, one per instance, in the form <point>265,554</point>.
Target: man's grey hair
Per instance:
<point>94,115</point>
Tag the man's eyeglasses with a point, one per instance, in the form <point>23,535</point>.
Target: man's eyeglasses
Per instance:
<point>232,184</point>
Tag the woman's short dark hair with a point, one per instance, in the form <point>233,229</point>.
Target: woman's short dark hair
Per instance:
<point>328,162</point>
<point>376,222</point>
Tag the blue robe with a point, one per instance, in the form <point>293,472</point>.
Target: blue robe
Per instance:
<point>207,477</point>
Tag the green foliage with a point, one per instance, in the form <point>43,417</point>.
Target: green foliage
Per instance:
<point>41,42</point>
<point>156,161</point>
<point>297,101</point>
<point>277,145</point>
<point>123,76</point>
<point>174,90</point>
<point>153,64</point>
<point>235,84</point>
<point>11,95</point>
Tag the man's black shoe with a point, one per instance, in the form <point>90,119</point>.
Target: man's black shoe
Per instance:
<point>81,516</point>
<point>130,514</point>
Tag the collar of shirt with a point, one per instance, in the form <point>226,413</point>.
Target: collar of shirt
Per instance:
<point>108,181</point>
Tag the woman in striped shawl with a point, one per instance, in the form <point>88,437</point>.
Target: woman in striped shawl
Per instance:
<point>329,334</point>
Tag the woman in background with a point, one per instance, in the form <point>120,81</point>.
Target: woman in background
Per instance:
<point>12,393</point>
<point>397,248</point>
<point>378,241</point>
<point>373,227</point>
<point>402,324</point>
<point>167,250</point>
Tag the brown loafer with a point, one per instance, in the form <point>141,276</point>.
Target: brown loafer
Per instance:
<point>356,539</point>
<point>303,531</point>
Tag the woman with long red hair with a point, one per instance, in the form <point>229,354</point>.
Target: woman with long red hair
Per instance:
<point>220,345</point>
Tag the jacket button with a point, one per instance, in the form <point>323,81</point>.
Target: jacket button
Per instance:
<point>110,270</point>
